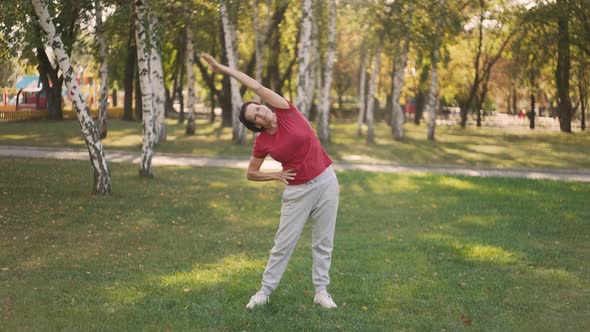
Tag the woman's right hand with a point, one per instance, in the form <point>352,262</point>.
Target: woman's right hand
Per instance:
<point>286,176</point>
<point>213,64</point>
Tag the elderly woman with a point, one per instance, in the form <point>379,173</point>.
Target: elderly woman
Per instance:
<point>312,187</point>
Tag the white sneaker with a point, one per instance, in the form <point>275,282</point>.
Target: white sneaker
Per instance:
<point>325,300</point>
<point>257,299</point>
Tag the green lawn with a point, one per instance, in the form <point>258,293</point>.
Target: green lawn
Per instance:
<point>488,147</point>
<point>185,251</point>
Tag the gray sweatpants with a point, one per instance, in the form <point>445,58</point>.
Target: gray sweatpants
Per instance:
<point>317,198</point>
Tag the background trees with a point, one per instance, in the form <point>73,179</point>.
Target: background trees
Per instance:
<point>485,56</point>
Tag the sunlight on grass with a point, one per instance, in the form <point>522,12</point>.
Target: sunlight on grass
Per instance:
<point>123,295</point>
<point>18,137</point>
<point>457,183</point>
<point>493,254</point>
<point>121,141</point>
<point>217,184</point>
<point>208,275</point>
<point>75,140</point>
<point>479,220</point>
<point>385,185</point>
<point>560,276</point>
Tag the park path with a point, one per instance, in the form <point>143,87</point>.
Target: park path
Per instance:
<point>176,159</point>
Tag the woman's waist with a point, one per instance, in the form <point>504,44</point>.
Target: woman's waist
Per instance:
<point>320,174</point>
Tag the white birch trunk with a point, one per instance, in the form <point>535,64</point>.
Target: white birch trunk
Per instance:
<point>362,98</point>
<point>157,80</point>
<point>431,105</point>
<point>371,96</point>
<point>259,33</point>
<point>102,178</point>
<point>398,84</point>
<point>190,83</point>
<point>324,104</point>
<point>143,63</point>
<point>316,70</point>
<point>304,79</point>
<point>103,72</point>
<point>239,134</point>
<point>257,47</point>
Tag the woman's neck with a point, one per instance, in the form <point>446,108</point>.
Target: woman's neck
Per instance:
<point>272,128</point>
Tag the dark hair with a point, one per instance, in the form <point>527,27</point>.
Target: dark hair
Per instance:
<point>249,124</point>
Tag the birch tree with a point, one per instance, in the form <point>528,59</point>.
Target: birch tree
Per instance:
<point>239,134</point>
<point>103,71</point>
<point>371,96</point>
<point>157,81</point>
<point>324,103</point>
<point>316,64</point>
<point>401,59</point>
<point>190,82</point>
<point>362,97</point>
<point>143,63</point>
<point>259,33</point>
<point>102,178</point>
<point>304,77</point>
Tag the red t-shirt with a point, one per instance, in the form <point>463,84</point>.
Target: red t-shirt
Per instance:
<point>295,145</point>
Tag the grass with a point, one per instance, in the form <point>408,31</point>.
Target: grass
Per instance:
<point>185,251</point>
<point>485,147</point>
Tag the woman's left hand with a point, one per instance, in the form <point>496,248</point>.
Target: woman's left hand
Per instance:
<point>213,64</point>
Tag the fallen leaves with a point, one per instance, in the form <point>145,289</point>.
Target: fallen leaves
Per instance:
<point>465,320</point>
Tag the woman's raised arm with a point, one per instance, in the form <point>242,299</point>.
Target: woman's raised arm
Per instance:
<point>266,94</point>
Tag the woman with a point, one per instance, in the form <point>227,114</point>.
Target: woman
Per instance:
<point>312,187</point>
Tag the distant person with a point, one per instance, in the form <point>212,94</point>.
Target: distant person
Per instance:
<point>312,187</point>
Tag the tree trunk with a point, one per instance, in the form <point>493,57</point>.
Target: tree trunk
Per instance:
<point>239,134</point>
<point>532,114</point>
<point>129,76</point>
<point>304,79</point>
<point>362,97</point>
<point>102,179</point>
<point>190,83</point>
<point>104,71</point>
<point>171,95</point>
<point>466,104</point>
<point>143,61</point>
<point>371,96</point>
<point>514,100</point>
<point>324,104</point>
<point>430,102</point>
<point>52,85</point>
<point>157,81</point>
<point>138,102</point>
<point>398,84</point>
<point>212,114</point>
<point>114,95</point>
<point>259,41</point>
<point>583,98</point>
<point>316,77</point>
<point>421,96</point>
<point>180,94</point>
<point>562,72</point>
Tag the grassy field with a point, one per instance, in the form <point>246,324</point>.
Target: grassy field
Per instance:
<point>185,251</point>
<point>488,147</point>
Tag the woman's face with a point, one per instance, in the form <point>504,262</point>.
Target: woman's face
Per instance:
<point>260,115</point>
